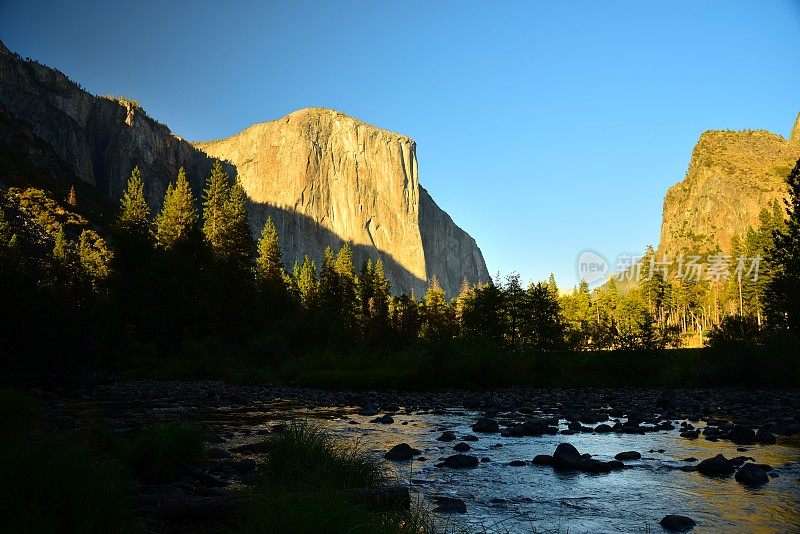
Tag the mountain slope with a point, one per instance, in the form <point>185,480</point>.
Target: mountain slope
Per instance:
<point>324,177</point>
<point>731,177</point>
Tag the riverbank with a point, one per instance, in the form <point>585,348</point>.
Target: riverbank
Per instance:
<point>467,367</point>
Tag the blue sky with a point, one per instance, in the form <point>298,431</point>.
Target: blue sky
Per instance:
<point>542,128</point>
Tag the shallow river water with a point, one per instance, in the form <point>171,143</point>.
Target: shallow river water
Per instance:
<point>500,497</point>
<point>539,498</point>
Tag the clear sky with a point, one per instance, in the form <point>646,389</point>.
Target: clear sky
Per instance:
<point>542,128</point>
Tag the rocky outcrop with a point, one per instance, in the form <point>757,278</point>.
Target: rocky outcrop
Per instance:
<point>731,177</point>
<point>325,178</point>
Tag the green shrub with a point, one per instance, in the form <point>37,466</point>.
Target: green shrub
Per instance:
<point>157,454</point>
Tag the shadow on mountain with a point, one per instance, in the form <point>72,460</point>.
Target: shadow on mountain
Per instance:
<point>300,234</point>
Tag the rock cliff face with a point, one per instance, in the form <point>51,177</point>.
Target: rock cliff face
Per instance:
<point>324,177</point>
<point>357,183</point>
<point>731,177</point>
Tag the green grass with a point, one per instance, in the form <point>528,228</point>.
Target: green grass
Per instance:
<point>303,486</point>
<point>304,455</point>
<point>50,487</point>
<point>157,454</point>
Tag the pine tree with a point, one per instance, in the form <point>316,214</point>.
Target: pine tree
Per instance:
<point>238,241</point>
<point>438,320</point>
<point>782,294</point>
<point>305,279</point>
<point>551,284</point>
<point>177,219</point>
<point>347,285</point>
<point>134,210</point>
<point>365,288</point>
<point>379,308</point>
<point>330,285</point>
<point>216,196</point>
<point>269,265</point>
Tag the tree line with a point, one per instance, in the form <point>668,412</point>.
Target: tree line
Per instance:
<point>191,279</point>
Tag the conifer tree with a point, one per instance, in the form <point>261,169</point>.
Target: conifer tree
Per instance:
<point>365,288</point>
<point>347,284</point>
<point>305,279</point>
<point>551,284</point>
<point>438,323</point>
<point>269,265</point>
<point>782,295</point>
<point>134,209</point>
<point>177,219</point>
<point>329,284</point>
<point>379,308</point>
<point>238,241</point>
<point>216,196</point>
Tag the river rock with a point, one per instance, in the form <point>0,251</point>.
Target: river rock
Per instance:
<point>486,426</point>
<point>461,447</point>
<point>764,436</point>
<point>446,436</point>
<point>627,455</point>
<point>742,435</point>
<point>752,475</point>
<point>677,523</point>
<point>716,466</point>
<point>401,452</point>
<point>566,456</point>
<point>543,459</point>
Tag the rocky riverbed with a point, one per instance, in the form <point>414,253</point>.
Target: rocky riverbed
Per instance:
<point>492,460</point>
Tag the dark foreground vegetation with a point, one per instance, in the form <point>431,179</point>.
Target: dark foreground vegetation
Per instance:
<point>187,293</point>
<point>90,480</point>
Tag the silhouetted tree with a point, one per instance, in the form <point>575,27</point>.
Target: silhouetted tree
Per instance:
<point>782,294</point>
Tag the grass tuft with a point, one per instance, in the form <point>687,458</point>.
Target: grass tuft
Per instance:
<point>305,455</point>
<point>157,454</point>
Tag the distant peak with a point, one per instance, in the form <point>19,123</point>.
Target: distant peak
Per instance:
<point>795,135</point>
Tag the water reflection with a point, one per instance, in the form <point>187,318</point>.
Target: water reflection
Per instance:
<point>520,499</point>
